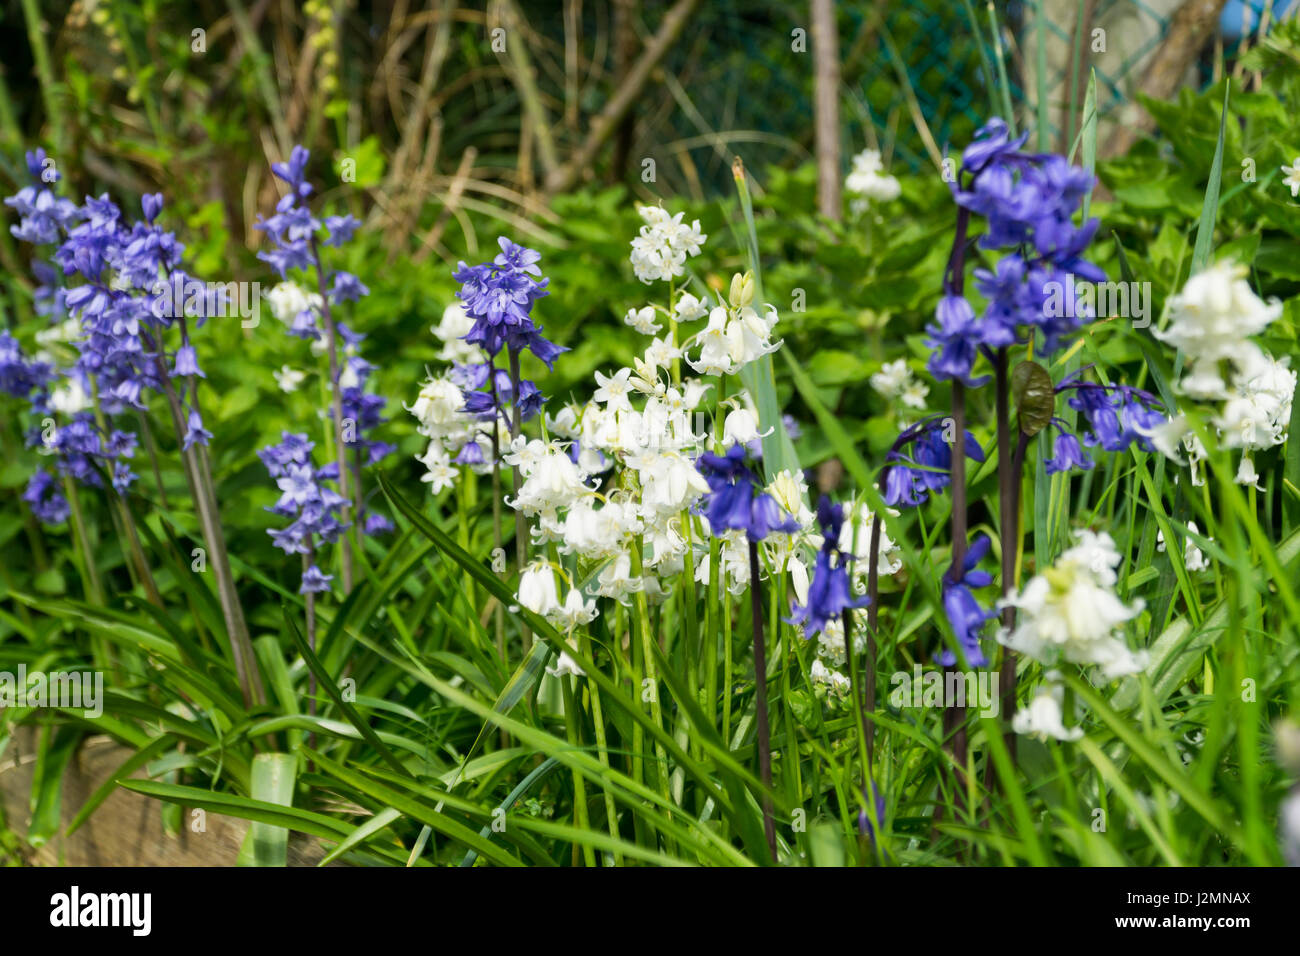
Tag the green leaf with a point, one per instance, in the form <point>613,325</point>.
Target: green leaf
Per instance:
<point>325,681</point>
<point>1210,210</point>
<point>130,766</point>
<point>273,782</point>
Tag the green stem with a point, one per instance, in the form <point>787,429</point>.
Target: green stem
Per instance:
<point>89,572</point>
<point>602,748</point>
<point>579,785</point>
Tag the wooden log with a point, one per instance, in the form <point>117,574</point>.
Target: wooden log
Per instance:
<point>127,828</point>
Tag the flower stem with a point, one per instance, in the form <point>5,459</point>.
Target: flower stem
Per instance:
<point>496,514</point>
<point>760,699</point>
<point>198,473</point>
<point>1009,476</point>
<point>580,816</point>
<point>90,573</point>
<point>309,602</point>
<point>957,714</point>
<point>336,410</point>
<point>602,748</point>
<point>521,523</point>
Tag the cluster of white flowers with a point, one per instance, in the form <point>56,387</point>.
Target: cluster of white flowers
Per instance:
<point>736,334</point>
<point>895,381</point>
<point>614,487</point>
<point>440,409</point>
<point>868,182</point>
<point>614,490</point>
<point>1070,611</point>
<point>636,434</point>
<point>660,250</point>
<point>1211,321</point>
<point>836,684</point>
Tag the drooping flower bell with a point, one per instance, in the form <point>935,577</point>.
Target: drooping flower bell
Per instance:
<point>965,615</point>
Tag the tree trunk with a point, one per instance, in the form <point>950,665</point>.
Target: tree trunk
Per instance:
<point>1189,30</point>
<point>826,95</point>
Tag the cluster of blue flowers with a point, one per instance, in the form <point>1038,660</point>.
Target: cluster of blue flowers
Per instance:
<point>1117,415</point>
<point>1028,202</point>
<point>123,306</point>
<point>44,216</point>
<point>297,238</point>
<point>306,498</point>
<point>77,446</point>
<point>20,376</point>
<point>829,592</point>
<point>736,501</point>
<point>499,297</point>
<point>296,233</point>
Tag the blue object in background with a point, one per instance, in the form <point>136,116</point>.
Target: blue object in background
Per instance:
<point>1241,17</point>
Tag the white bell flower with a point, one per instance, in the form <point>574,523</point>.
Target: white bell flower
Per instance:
<point>1071,612</point>
<point>1211,320</point>
<point>440,473</point>
<point>537,590</point>
<point>643,320</point>
<point>289,379</point>
<point>599,532</point>
<point>574,612</point>
<point>617,581</point>
<point>565,666</point>
<point>741,426</point>
<point>670,482</point>
<point>456,323</point>
<point>1193,557</point>
<point>868,181</point>
<point>790,491</point>
<point>288,300</point>
<point>689,308</point>
<point>554,481</point>
<point>834,682</point>
<point>439,407</point>
<point>660,250</point>
<point>1042,718</point>
<point>614,391</point>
